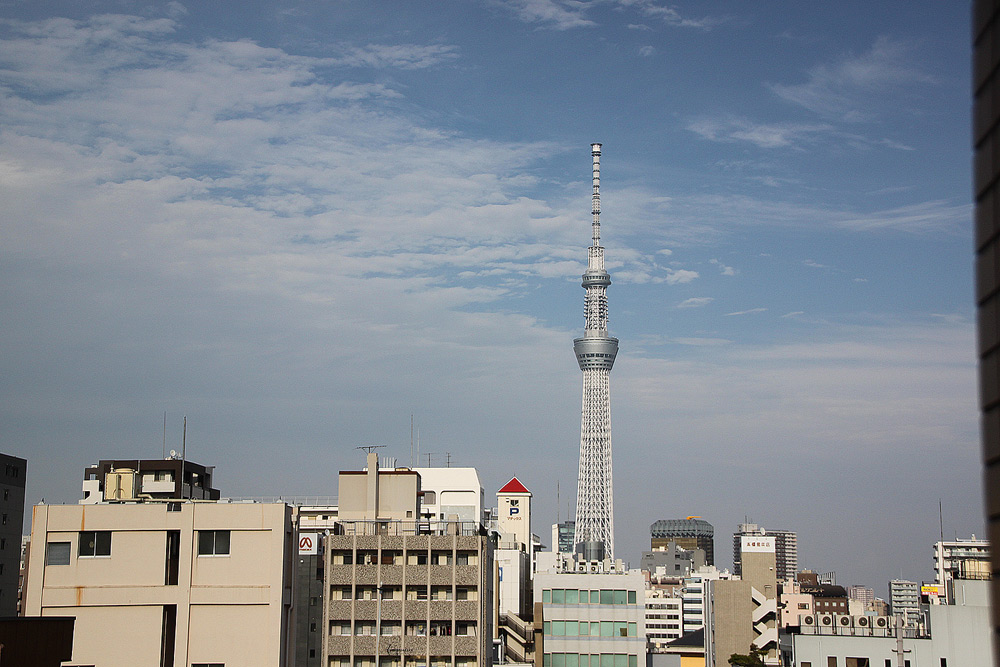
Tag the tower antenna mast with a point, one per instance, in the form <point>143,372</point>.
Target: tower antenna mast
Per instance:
<point>595,353</point>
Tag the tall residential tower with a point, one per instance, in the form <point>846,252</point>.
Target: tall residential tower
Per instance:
<point>595,353</point>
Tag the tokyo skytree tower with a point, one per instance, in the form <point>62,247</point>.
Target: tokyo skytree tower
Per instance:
<point>595,353</point>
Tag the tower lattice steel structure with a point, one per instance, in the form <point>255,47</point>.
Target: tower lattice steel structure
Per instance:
<point>595,353</point>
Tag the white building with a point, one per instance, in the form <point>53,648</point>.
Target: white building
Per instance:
<point>955,636</point>
<point>664,612</point>
<point>450,492</point>
<point>693,596</point>
<point>962,559</point>
<point>592,614</point>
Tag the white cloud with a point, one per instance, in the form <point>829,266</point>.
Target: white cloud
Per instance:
<point>680,276</point>
<point>723,269</point>
<point>695,302</point>
<point>557,14</point>
<point>794,313</point>
<point>847,89</point>
<point>647,51</point>
<point>746,312</point>
<point>764,135</point>
<point>404,56</point>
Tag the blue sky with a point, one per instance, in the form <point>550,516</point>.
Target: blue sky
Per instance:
<point>302,222</point>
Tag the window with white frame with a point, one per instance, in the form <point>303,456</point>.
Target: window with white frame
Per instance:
<point>213,542</point>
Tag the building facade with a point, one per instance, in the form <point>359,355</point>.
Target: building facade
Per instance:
<point>401,591</point>
<point>904,599</point>
<point>158,583</point>
<point>786,549</point>
<point>690,533</point>
<point>743,613</point>
<point>11,524</point>
<point>589,618</point>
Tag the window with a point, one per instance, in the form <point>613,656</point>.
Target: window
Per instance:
<point>213,542</point>
<point>631,597</point>
<point>57,553</point>
<point>419,558</point>
<point>546,596</point>
<point>430,498</point>
<point>95,543</point>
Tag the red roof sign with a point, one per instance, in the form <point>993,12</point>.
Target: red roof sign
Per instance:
<point>513,486</point>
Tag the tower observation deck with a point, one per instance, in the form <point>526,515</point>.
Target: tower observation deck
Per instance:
<point>595,353</point>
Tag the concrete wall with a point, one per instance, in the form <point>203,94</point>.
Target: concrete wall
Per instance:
<point>118,600</point>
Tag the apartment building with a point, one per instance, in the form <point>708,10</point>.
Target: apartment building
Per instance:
<point>399,590</point>
<point>165,583</point>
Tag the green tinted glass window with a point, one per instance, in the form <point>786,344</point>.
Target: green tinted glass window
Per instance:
<point>558,628</point>
<point>607,629</point>
<point>558,660</point>
<point>595,629</point>
<point>572,629</point>
<point>633,661</point>
<point>607,597</point>
<point>631,597</point>
<point>632,629</point>
<point>547,660</point>
<point>620,597</point>
<point>607,660</point>
<point>558,596</point>
<point>621,660</point>
<point>595,597</point>
<point>572,596</point>
<point>546,598</point>
<point>547,628</point>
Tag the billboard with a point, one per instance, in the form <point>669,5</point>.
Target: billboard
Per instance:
<point>756,544</point>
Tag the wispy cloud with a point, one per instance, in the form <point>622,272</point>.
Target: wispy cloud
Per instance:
<point>764,135</point>
<point>746,312</point>
<point>647,51</point>
<point>695,302</point>
<point>845,89</point>
<point>723,269</point>
<point>794,313</point>
<point>556,14</point>
<point>403,56</point>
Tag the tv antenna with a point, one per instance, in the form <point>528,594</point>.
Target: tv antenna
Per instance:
<point>370,448</point>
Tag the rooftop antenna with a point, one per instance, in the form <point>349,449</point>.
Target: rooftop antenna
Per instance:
<point>164,434</point>
<point>447,459</point>
<point>184,439</point>
<point>370,448</point>
<point>558,502</point>
<point>411,439</point>
<point>941,519</point>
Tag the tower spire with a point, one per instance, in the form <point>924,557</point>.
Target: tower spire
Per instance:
<point>595,353</point>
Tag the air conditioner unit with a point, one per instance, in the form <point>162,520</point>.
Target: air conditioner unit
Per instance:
<point>825,620</point>
<point>807,620</point>
<point>582,567</point>
<point>882,622</point>
<point>863,622</point>
<point>844,620</point>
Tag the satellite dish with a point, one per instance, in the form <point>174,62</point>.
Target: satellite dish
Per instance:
<point>173,453</point>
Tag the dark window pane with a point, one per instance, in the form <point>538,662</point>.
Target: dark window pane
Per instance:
<point>222,542</point>
<point>206,543</point>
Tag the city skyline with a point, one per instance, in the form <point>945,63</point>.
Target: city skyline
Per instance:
<point>302,223</point>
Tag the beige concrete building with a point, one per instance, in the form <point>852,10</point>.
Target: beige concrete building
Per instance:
<point>743,613</point>
<point>401,592</point>
<point>156,583</point>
